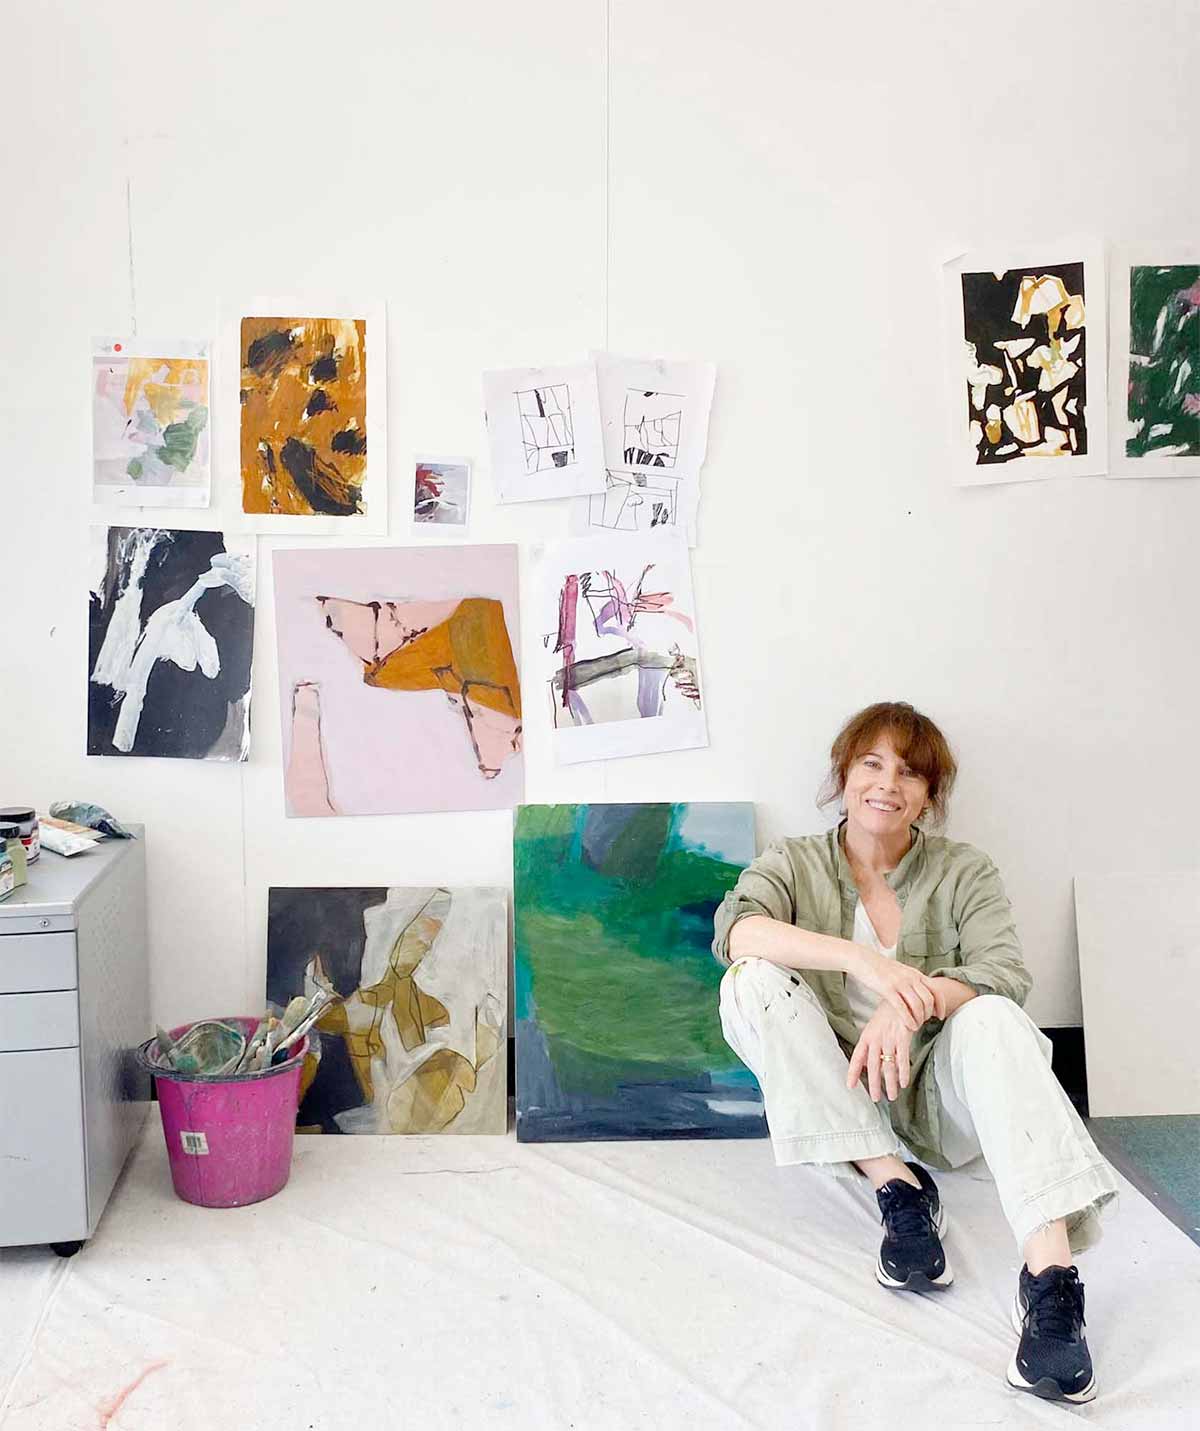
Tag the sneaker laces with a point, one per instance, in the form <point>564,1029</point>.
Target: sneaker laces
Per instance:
<point>906,1212</point>
<point>1054,1310</point>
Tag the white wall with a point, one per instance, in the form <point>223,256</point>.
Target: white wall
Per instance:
<point>772,185</point>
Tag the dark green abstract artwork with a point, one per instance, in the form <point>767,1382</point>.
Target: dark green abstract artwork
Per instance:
<point>1164,361</point>
<point>618,1033</point>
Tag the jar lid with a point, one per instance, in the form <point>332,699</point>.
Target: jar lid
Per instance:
<point>9,832</point>
<point>22,814</point>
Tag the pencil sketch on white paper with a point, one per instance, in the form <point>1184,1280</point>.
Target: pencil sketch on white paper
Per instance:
<point>640,502</point>
<point>655,413</point>
<point>546,430</point>
<point>652,424</point>
<point>544,433</point>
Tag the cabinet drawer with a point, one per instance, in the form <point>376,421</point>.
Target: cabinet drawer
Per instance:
<point>30,963</point>
<point>43,1182</point>
<point>35,1021</point>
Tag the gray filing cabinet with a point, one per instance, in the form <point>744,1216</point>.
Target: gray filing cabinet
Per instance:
<point>74,1005</point>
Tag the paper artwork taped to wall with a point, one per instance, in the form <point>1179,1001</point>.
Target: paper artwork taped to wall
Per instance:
<point>544,432</point>
<point>621,672</point>
<point>419,1041</point>
<point>398,680</point>
<point>639,502</point>
<point>655,413</point>
<point>171,631</point>
<point>312,452</point>
<point>150,422</point>
<point>1155,377</point>
<point>441,492</point>
<point>1028,387</point>
<point>616,995</point>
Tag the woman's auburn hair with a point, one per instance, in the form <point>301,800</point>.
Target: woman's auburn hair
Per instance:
<point>916,739</point>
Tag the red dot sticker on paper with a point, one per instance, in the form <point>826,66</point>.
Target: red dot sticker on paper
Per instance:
<point>116,347</point>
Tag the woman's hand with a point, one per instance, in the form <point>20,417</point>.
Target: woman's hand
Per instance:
<point>908,992</point>
<point>885,1033</point>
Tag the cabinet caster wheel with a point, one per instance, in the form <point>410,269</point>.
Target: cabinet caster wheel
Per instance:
<point>66,1249</point>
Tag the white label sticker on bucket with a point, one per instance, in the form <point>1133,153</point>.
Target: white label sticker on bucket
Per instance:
<point>193,1142</point>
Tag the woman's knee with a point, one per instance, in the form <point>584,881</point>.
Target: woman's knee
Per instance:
<point>997,1016</point>
<point>765,983</point>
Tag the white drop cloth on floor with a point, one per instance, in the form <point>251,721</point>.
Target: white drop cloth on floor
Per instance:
<point>476,1282</point>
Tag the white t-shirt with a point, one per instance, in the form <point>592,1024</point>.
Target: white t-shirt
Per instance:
<point>863,1001</point>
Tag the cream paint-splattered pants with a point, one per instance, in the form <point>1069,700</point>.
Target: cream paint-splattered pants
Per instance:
<point>997,1097</point>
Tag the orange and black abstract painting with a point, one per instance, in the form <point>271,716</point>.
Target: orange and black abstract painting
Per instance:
<point>304,416</point>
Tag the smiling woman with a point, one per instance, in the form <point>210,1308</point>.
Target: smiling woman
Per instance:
<point>858,961</point>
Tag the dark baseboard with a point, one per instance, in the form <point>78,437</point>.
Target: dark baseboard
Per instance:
<point>1068,1065</point>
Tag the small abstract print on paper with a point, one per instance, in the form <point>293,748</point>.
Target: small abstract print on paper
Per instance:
<point>391,702</point>
<point>150,422</point>
<point>171,631</point>
<point>618,1033</point>
<point>442,493</point>
<point>1164,361</point>
<point>418,1041</point>
<point>546,427</point>
<point>304,416</point>
<point>1025,368</point>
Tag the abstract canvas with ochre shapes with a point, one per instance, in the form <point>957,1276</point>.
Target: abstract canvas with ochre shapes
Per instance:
<point>394,702</point>
<point>304,415</point>
<point>417,1042</point>
<point>618,1033</point>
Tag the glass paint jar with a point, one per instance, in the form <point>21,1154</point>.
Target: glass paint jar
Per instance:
<point>26,817</point>
<point>14,846</point>
<point>7,878</point>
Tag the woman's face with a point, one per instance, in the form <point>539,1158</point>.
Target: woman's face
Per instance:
<point>883,794</point>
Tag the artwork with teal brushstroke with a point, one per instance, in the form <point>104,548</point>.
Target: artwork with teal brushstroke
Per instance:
<point>618,1033</point>
<point>1164,361</point>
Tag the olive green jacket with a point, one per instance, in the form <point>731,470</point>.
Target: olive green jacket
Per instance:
<point>956,920</point>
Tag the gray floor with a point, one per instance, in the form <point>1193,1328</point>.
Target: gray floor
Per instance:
<point>1161,1157</point>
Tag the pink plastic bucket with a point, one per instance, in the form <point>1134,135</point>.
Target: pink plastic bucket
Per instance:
<point>229,1141</point>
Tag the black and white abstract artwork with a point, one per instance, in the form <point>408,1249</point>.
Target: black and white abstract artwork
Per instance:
<point>639,502</point>
<point>655,414</point>
<point>170,638</point>
<point>544,436</point>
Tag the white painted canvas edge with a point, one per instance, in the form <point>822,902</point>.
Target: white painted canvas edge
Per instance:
<point>374,522</point>
<point>1002,258</point>
<point>1139,1053</point>
<point>1122,257</point>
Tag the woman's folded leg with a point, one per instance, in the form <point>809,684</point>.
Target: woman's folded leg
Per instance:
<point>774,1022</point>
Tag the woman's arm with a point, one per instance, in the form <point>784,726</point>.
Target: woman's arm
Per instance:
<point>769,938</point>
<point>992,962</point>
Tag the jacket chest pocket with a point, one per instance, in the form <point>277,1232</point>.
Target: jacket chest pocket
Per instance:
<point>932,946</point>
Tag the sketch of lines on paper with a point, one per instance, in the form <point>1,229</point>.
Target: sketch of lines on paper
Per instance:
<point>547,429</point>
<point>630,503</point>
<point>652,423</point>
<point>632,683</point>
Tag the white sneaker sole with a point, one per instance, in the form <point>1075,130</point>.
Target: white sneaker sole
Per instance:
<point>918,1280</point>
<point>1047,1387</point>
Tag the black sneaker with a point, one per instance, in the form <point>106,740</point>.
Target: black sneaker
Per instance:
<point>1052,1359</point>
<point>911,1255</point>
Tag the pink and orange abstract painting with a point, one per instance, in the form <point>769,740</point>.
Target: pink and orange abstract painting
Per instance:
<point>398,681</point>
